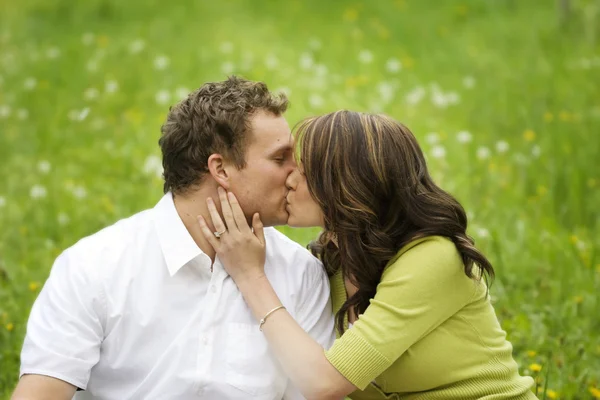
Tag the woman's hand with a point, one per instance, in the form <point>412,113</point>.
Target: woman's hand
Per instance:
<point>241,250</point>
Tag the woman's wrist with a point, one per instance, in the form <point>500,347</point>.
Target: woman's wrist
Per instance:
<point>247,281</point>
<point>258,294</point>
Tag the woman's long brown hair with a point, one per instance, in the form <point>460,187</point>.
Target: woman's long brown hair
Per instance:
<point>369,176</point>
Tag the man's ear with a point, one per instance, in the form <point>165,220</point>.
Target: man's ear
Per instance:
<point>217,166</point>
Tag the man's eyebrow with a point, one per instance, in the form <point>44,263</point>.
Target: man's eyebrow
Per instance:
<point>281,149</point>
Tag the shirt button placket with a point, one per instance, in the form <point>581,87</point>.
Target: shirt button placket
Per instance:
<point>205,353</point>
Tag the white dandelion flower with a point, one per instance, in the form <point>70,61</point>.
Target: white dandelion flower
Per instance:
<point>181,93</point>
<point>314,44</point>
<point>30,83</point>
<point>92,65</point>
<point>432,138</point>
<point>227,68</point>
<point>271,61</point>
<point>464,136</point>
<point>53,53</point>
<point>78,115</point>
<point>97,124</point>
<point>315,100</point>
<point>226,47</point>
<point>83,114</point>
<point>482,233</point>
<point>37,192</point>
<point>321,70</point>
<point>153,166</point>
<point>439,100</point>
<point>386,91</point>
<point>111,86</point>
<point>5,111</point>
<point>415,96</point>
<point>91,94</point>
<point>62,218</point>
<point>162,97</point>
<point>87,38</point>
<point>137,46</point>
<point>79,192</point>
<point>393,65</point>
<point>469,82</point>
<point>438,152</point>
<point>502,146</point>
<point>161,62</point>
<point>22,114</point>
<point>365,56</point>
<point>483,153</point>
<point>2,201</point>
<point>306,61</point>
<point>452,98</point>
<point>44,166</point>
<point>536,151</point>
<point>285,90</point>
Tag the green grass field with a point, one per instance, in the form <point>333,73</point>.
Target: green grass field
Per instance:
<point>503,95</point>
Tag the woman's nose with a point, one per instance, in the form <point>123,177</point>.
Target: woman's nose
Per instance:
<point>292,180</point>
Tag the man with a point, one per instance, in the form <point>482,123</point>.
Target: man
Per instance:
<point>143,310</point>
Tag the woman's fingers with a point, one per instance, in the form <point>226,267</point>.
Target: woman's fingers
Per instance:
<point>238,214</point>
<point>226,209</point>
<point>208,234</point>
<point>214,215</point>
<point>257,225</point>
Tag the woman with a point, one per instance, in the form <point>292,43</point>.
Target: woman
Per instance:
<point>408,287</point>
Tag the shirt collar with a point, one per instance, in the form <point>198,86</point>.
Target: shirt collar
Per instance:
<point>178,246</point>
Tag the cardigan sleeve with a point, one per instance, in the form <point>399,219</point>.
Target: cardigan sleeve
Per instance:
<point>418,291</point>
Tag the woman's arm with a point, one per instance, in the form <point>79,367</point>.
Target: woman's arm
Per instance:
<point>301,356</point>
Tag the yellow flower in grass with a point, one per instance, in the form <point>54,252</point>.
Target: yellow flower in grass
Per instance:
<point>407,62</point>
<point>573,239</point>
<point>102,41</point>
<point>532,353</point>
<point>548,117</point>
<point>565,116</point>
<point>34,286</point>
<point>10,326</point>
<point>542,190</point>
<point>535,367</point>
<point>578,299</point>
<point>529,135</point>
<point>551,394</point>
<point>595,392</point>
<point>351,15</point>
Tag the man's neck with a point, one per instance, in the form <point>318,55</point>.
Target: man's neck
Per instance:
<point>191,205</point>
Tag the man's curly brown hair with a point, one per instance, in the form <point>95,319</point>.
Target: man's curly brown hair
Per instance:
<point>213,119</point>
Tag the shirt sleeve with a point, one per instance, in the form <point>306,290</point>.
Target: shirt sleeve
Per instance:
<point>65,327</point>
<point>313,313</point>
<point>418,292</point>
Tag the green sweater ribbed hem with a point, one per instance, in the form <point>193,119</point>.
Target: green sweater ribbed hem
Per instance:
<point>353,368</point>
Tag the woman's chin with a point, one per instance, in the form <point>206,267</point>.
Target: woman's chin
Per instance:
<point>295,222</point>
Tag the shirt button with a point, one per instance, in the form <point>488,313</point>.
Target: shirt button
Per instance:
<point>204,341</point>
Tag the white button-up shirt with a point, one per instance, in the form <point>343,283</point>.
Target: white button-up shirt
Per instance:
<point>134,312</point>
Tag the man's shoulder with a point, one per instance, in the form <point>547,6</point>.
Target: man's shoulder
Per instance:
<point>110,242</point>
<point>279,242</point>
<point>289,255</point>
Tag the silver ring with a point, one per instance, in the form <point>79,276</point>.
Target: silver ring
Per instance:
<point>218,234</point>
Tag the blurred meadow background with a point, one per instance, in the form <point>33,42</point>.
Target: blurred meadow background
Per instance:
<point>503,95</point>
